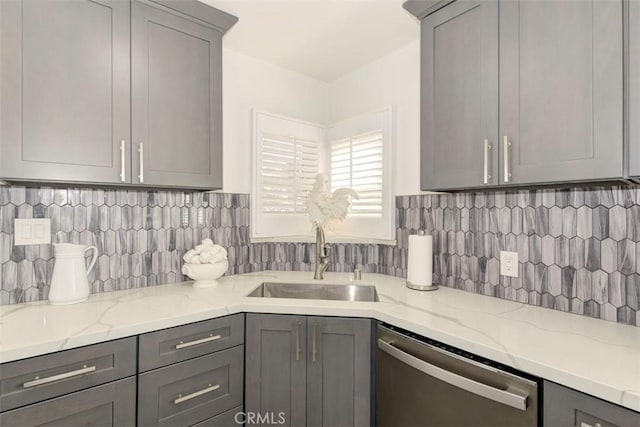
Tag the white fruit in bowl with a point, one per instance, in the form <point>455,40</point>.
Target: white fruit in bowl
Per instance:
<point>205,275</point>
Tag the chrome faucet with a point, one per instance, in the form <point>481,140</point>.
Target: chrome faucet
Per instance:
<point>323,252</point>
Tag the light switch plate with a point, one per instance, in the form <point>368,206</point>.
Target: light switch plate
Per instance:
<point>32,231</point>
<point>509,264</point>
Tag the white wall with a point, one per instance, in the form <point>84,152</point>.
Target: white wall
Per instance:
<point>249,83</point>
<point>393,80</point>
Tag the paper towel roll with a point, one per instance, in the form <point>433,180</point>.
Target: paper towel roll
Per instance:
<point>420,263</point>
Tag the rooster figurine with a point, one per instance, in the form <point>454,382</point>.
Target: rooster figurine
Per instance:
<point>324,207</point>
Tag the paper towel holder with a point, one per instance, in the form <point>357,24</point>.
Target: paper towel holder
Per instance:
<point>413,286</point>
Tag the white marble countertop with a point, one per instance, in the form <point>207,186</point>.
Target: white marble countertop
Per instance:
<point>594,356</point>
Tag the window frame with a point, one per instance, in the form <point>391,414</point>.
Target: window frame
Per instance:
<point>290,227</point>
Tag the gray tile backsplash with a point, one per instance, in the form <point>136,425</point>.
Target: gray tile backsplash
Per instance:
<point>141,237</point>
<point>579,248</point>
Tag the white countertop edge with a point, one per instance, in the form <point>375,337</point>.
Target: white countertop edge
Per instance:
<point>379,311</point>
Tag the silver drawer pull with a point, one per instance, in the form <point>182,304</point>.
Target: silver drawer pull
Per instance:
<point>141,155</point>
<point>182,398</point>
<point>39,381</point>
<point>210,338</point>
<point>123,161</point>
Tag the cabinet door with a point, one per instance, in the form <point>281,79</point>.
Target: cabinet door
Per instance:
<point>275,370</point>
<point>65,90</point>
<point>176,100</point>
<point>634,88</point>
<point>564,407</point>
<point>109,405</point>
<point>339,372</point>
<point>561,90</point>
<point>459,96</point>
<point>189,392</point>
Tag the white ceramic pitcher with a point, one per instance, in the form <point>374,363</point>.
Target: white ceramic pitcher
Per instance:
<point>69,283</point>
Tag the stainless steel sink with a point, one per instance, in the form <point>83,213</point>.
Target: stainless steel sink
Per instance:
<point>326,291</point>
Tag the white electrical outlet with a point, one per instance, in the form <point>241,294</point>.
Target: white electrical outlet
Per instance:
<point>509,264</point>
<point>32,231</point>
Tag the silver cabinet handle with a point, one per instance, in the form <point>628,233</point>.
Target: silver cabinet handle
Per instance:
<point>314,348</point>
<point>507,173</point>
<point>298,349</point>
<point>141,153</point>
<point>123,161</point>
<point>210,338</point>
<point>501,396</point>
<point>182,398</point>
<point>39,381</point>
<point>487,148</point>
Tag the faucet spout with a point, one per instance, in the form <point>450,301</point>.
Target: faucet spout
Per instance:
<point>323,253</point>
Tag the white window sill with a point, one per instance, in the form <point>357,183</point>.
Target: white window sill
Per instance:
<point>329,239</point>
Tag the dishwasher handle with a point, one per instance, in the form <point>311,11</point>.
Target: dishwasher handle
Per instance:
<point>497,395</point>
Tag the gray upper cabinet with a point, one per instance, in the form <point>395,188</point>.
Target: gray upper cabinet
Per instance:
<point>634,88</point>
<point>112,91</point>
<point>459,96</point>
<point>316,371</point>
<point>561,92</point>
<point>523,92</point>
<point>176,100</point>
<point>65,102</point>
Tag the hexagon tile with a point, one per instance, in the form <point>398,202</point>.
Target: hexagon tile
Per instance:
<point>141,237</point>
<point>579,248</point>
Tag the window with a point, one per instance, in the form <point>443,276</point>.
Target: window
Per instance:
<point>290,153</point>
<point>356,163</point>
<point>288,156</point>
<point>360,157</point>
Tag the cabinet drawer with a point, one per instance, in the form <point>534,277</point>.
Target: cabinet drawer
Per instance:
<point>110,404</point>
<point>189,392</point>
<point>226,419</point>
<point>177,344</point>
<point>39,378</point>
<point>564,407</point>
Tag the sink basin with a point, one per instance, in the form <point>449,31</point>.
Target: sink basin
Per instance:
<point>326,291</point>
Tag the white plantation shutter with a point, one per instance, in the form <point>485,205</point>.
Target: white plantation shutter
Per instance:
<point>288,154</point>
<point>357,163</point>
<point>354,153</point>
<point>289,167</point>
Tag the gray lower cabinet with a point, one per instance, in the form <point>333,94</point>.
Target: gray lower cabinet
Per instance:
<point>564,407</point>
<point>232,418</point>
<point>186,393</point>
<point>108,405</point>
<point>307,370</point>
<point>276,367</point>
<point>561,91</point>
<point>93,385</point>
<point>339,372</point>
<point>459,96</point>
<point>634,88</point>
<point>553,70</point>
<point>192,374</point>
<point>65,100</point>
<point>32,380</point>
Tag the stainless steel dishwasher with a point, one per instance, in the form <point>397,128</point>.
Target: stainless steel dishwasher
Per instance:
<point>424,383</point>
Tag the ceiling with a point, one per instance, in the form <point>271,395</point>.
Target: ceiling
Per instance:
<point>321,39</point>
